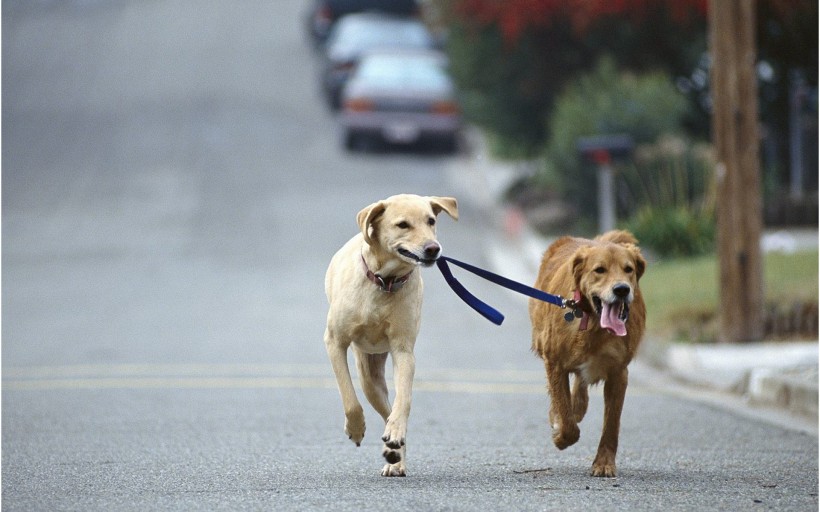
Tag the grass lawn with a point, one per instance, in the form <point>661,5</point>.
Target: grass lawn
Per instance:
<point>682,295</point>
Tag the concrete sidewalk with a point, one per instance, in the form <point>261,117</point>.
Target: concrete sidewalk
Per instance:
<point>783,375</point>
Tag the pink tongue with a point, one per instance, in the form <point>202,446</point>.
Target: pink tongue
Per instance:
<point>610,320</point>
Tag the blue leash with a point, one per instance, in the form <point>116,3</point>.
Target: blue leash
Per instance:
<point>487,311</point>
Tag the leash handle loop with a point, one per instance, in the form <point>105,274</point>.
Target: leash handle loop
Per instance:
<point>487,311</point>
<point>515,286</point>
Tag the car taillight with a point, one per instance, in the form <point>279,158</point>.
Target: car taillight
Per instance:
<point>359,105</point>
<point>324,15</point>
<point>444,108</point>
<point>346,66</point>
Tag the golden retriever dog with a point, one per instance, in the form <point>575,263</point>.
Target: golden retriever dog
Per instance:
<point>375,294</point>
<point>602,275</point>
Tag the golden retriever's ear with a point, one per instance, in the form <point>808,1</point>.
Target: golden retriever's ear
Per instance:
<point>640,263</point>
<point>579,260</point>
<point>367,216</point>
<point>448,204</point>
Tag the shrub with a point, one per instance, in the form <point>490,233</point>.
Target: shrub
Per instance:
<point>606,102</point>
<point>671,186</point>
<point>674,231</point>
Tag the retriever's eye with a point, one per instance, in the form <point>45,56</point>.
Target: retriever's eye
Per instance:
<point>600,270</point>
<point>629,269</point>
<point>431,221</point>
<point>403,225</point>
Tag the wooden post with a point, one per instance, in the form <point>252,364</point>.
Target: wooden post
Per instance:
<point>606,197</point>
<point>736,140</point>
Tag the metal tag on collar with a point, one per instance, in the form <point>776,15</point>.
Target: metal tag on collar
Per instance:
<point>391,285</point>
<point>576,312</point>
<point>573,304</point>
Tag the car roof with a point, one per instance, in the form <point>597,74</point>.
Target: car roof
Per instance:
<point>407,53</point>
<point>402,71</point>
<point>374,18</point>
<point>341,7</point>
<point>361,31</point>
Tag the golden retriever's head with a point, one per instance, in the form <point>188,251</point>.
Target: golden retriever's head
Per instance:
<point>405,226</point>
<point>607,273</point>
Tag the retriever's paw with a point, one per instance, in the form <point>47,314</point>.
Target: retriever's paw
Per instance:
<point>394,470</point>
<point>603,470</point>
<point>566,436</point>
<point>604,464</point>
<point>354,425</point>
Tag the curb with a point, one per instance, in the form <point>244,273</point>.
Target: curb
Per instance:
<point>772,374</point>
<point>794,389</point>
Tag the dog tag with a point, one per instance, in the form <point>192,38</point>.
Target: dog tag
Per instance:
<point>569,317</point>
<point>577,312</point>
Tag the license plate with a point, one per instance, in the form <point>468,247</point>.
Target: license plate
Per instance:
<point>401,132</point>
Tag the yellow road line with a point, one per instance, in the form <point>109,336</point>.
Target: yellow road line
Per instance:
<point>218,376</point>
<point>169,383</point>
<point>144,370</point>
<point>252,383</point>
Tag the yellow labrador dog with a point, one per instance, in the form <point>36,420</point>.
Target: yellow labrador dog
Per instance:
<point>375,294</point>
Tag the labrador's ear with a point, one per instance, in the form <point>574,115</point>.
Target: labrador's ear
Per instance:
<point>448,204</point>
<point>367,217</point>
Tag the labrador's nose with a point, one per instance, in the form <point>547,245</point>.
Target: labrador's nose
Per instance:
<point>431,250</point>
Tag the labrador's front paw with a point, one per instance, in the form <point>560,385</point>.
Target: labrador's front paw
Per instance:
<point>394,470</point>
<point>394,434</point>
<point>354,425</point>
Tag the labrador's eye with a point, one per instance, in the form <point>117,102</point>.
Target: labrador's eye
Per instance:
<point>402,225</point>
<point>628,269</point>
<point>600,270</point>
<point>431,221</point>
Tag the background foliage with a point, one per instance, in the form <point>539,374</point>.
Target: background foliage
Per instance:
<point>529,70</point>
<point>513,58</point>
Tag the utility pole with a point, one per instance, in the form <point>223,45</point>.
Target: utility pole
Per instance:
<point>736,140</point>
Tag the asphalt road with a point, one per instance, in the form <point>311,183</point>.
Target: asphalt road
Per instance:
<point>173,189</point>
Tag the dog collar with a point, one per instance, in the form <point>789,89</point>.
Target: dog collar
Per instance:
<point>585,316</point>
<point>386,284</point>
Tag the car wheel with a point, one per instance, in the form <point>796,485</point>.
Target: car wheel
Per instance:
<point>350,140</point>
<point>355,141</point>
<point>448,144</point>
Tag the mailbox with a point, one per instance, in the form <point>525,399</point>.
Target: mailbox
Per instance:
<point>602,150</point>
<point>605,148</point>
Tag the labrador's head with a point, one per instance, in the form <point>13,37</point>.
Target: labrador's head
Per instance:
<point>405,226</point>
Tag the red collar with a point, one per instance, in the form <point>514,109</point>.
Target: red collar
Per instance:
<point>585,318</point>
<point>386,284</point>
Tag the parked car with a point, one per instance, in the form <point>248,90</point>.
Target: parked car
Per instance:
<point>356,34</point>
<point>324,13</point>
<point>401,97</point>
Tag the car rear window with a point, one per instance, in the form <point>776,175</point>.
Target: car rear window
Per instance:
<point>396,71</point>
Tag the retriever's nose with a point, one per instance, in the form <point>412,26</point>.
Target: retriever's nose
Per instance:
<point>621,290</point>
<point>431,250</point>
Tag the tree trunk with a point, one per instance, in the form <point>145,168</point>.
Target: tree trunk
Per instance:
<point>735,136</point>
